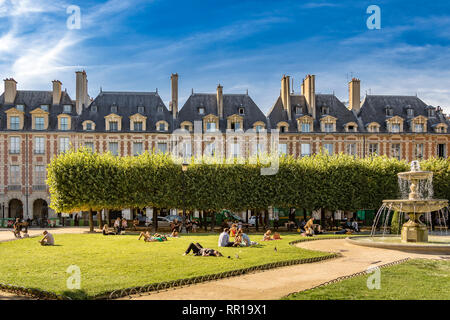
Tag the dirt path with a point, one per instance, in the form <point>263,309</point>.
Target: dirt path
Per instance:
<point>276,283</point>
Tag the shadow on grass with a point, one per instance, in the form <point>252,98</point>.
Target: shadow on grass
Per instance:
<point>76,294</point>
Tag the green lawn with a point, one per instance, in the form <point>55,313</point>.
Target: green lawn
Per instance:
<point>413,280</point>
<point>115,262</point>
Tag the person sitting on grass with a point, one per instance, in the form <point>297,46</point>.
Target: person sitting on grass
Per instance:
<point>135,223</point>
<point>124,225</point>
<point>224,239</point>
<point>117,227</point>
<point>174,234</point>
<point>238,239</point>
<point>246,240</point>
<point>233,230</point>
<point>106,231</point>
<point>47,240</point>
<point>267,236</point>
<point>198,250</point>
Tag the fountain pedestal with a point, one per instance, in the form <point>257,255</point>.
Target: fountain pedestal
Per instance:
<point>414,230</point>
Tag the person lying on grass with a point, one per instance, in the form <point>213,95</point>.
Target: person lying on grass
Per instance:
<point>155,238</point>
<point>198,250</point>
<point>47,240</point>
<point>106,231</point>
<point>174,234</point>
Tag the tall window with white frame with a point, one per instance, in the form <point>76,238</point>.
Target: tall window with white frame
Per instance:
<point>258,148</point>
<point>234,150</point>
<point>89,145</point>
<point>351,149</point>
<point>282,149</point>
<point>373,149</point>
<point>114,148</point>
<point>39,145</point>
<point>39,175</point>
<point>161,147</point>
<point>14,174</point>
<point>328,148</point>
<point>137,148</point>
<point>419,151</point>
<point>396,150</point>
<point>210,149</point>
<point>14,145</point>
<point>64,144</point>
<point>187,149</point>
<point>305,149</point>
<point>64,124</point>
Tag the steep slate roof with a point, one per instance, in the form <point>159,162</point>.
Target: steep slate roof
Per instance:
<point>231,104</point>
<point>336,109</point>
<point>373,110</point>
<point>32,99</point>
<point>127,105</point>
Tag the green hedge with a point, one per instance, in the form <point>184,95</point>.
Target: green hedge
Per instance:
<point>82,180</point>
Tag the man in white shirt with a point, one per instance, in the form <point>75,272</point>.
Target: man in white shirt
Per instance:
<point>47,240</point>
<point>224,238</point>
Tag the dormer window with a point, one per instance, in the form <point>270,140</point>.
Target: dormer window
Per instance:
<point>160,109</point>
<point>113,109</point>
<point>39,123</point>
<point>325,110</point>
<point>418,127</point>
<point>298,110</point>
<point>241,111</point>
<point>141,109</point>
<point>201,110</point>
<point>44,107</point>
<point>328,127</point>
<point>431,112</point>
<point>410,112</point>
<point>389,111</point>
<point>282,129</point>
<point>235,126</point>
<point>138,126</point>
<point>395,127</point>
<point>67,108</point>
<point>306,127</point>
<point>14,123</point>
<point>113,126</point>
<point>162,126</point>
<point>211,126</point>
<point>88,126</point>
<point>94,108</point>
<point>20,107</point>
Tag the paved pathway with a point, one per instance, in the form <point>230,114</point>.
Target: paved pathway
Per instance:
<point>7,235</point>
<point>276,283</point>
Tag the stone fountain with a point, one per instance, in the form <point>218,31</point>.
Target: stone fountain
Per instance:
<point>415,206</point>
<point>414,233</point>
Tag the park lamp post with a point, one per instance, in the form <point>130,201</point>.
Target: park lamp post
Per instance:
<point>184,168</point>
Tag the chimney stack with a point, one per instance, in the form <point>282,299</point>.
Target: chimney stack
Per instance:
<point>10,91</point>
<point>82,97</point>
<point>56,91</point>
<point>220,101</point>
<point>354,95</point>
<point>309,91</point>
<point>286,94</point>
<point>173,106</point>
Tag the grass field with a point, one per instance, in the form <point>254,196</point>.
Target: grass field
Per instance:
<point>413,280</point>
<point>115,262</point>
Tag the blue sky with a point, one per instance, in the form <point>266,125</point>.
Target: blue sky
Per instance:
<point>134,45</point>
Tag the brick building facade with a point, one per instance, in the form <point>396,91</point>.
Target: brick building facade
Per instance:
<point>37,125</point>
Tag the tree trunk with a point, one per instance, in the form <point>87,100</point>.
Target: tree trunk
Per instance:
<point>204,220</point>
<point>155,220</point>
<point>257,220</point>
<point>99,219</point>
<point>91,221</point>
<point>108,222</point>
<point>213,221</point>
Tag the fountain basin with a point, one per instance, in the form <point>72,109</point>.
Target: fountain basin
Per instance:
<point>435,244</point>
<point>416,206</point>
<point>415,175</point>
